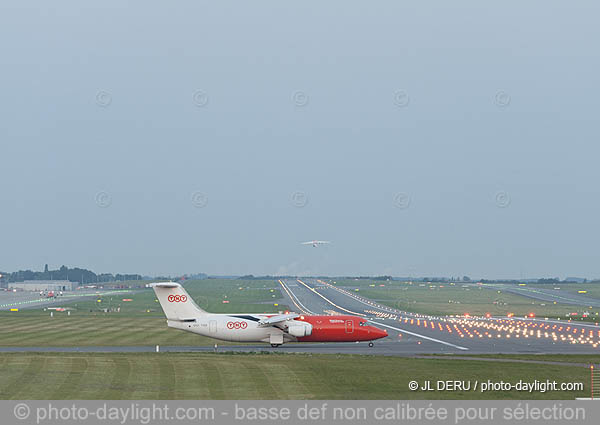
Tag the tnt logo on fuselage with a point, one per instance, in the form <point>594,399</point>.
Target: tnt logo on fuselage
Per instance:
<point>237,325</point>
<point>177,298</point>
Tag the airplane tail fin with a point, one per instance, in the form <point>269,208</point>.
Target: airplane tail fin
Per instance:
<point>175,301</point>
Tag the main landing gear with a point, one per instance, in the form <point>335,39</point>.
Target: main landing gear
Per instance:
<point>371,344</point>
<point>275,345</point>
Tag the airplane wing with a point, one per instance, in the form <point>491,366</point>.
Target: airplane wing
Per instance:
<point>274,320</point>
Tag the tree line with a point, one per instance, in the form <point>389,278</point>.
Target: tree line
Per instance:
<point>74,274</point>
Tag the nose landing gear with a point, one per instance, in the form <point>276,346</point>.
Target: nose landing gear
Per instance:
<point>275,345</point>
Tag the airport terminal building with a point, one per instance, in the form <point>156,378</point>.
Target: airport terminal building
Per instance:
<point>43,285</point>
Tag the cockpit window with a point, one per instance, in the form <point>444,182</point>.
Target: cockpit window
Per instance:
<point>362,324</point>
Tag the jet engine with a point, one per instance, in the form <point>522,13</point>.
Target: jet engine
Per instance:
<point>299,329</point>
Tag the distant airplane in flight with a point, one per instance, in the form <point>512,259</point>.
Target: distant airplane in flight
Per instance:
<point>315,243</point>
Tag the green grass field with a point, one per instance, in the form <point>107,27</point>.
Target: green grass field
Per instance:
<point>448,299</point>
<point>256,376</point>
<point>139,322</point>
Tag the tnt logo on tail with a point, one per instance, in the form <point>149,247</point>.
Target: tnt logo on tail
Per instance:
<point>177,298</point>
<point>175,301</point>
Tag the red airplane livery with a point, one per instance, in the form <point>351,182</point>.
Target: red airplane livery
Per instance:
<point>183,313</point>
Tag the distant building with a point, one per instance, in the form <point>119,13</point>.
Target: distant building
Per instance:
<point>576,280</point>
<point>43,285</point>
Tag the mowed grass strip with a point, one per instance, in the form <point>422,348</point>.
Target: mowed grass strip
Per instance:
<point>260,380</point>
<point>48,333</point>
<point>17,373</point>
<point>167,378</point>
<point>121,377</point>
<point>68,388</point>
<point>37,330</point>
<point>262,376</point>
<point>214,380</point>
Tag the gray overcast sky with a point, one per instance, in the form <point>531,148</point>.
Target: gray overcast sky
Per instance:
<point>483,117</point>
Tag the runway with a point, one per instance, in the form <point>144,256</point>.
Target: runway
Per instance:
<point>416,333</point>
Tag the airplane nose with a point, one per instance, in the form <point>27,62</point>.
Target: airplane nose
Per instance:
<point>379,333</point>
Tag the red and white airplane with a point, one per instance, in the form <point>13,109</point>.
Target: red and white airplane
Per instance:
<point>183,313</point>
<point>315,243</point>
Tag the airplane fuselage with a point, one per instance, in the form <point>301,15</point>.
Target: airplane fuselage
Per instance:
<point>246,328</point>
